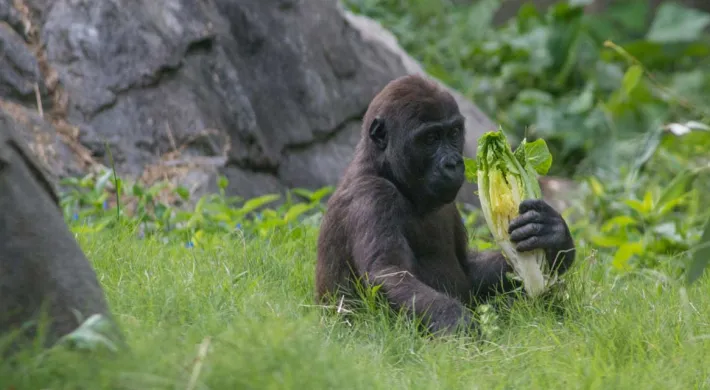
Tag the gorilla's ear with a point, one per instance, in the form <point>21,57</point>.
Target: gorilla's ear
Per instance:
<point>378,133</point>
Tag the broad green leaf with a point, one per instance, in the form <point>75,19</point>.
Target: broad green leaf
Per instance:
<point>701,256</point>
<point>624,254</point>
<point>519,152</point>
<point>631,14</point>
<point>255,203</point>
<point>640,207</point>
<point>471,169</point>
<point>320,194</point>
<point>632,77</point>
<point>676,188</point>
<point>675,23</point>
<point>222,182</point>
<point>538,155</point>
<point>668,206</point>
<point>302,192</point>
<point>137,190</point>
<point>618,221</point>
<point>183,192</point>
<point>608,241</point>
<point>295,211</point>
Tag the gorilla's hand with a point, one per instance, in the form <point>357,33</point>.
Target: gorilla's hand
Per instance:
<point>453,319</point>
<point>539,226</point>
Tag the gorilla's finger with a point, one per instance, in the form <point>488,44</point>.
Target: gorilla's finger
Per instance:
<point>526,231</point>
<point>532,204</point>
<point>524,219</point>
<point>529,244</point>
<point>535,204</point>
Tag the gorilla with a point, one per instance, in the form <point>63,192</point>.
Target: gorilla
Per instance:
<point>392,220</point>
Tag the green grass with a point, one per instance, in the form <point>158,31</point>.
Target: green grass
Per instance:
<point>252,302</point>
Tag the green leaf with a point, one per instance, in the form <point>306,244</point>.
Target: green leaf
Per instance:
<point>101,182</point>
<point>137,190</point>
<point>701,256</point>
<point>618,221</point>
<point>596,186</point>
<point>632,77</point>
<point>222,182</point>
<point>675,23</point>
<point>295,211</point>
<point>520,154</point>
<point>183,192</point>
<point>255,203</point>
<point>608,241</point>
<point>471,169</point>
<point>640,207</point>
<point>624,254</point>
<point>320,194</point>
<point>676,188</point>
<point>538,155</point>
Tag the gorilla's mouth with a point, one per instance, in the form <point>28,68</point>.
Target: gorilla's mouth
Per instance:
<point>447,188</point>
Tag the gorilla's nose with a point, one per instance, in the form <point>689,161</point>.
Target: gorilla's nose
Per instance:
<point>452,163</point>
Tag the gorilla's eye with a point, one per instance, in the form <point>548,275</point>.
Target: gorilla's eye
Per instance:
<point>455,132</point>
<point>431,138</point>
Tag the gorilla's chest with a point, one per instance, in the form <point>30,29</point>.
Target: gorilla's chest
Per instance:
<point>436,261</point>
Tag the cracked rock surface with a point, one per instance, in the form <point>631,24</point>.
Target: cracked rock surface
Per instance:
<point>269,93</point>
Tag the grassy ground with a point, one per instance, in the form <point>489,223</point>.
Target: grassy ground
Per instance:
<point>250,302</point>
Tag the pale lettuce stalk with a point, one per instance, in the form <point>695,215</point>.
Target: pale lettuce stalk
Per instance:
<point>506,178</point>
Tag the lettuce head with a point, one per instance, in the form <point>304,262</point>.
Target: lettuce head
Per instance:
<point>505,178</point>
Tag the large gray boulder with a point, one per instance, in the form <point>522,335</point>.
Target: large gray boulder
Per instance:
<point>43,272</point>
<point>269,93</point>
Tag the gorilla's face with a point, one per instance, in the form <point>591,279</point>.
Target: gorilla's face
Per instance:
<point>424,154</point>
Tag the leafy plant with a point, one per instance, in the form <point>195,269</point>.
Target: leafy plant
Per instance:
<point>93,201</point>
<point>505,178</point>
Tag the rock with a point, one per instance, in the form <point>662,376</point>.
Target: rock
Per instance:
<point>53,146</point>
<point>19,70</point>
<point>271,95</point>
<point>40,262</point>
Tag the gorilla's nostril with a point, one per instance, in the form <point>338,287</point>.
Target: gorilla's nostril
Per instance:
<point>453,163</point>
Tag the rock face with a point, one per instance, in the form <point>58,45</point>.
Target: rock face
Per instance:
<point>269,93</point>
<point>41,265</point>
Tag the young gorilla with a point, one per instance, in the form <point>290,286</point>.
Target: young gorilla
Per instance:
<point>392,220</point>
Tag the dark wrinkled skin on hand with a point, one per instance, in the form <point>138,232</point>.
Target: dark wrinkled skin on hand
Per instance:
<point>539,226</point>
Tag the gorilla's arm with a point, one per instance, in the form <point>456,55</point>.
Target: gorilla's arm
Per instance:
<point>487,270</point>
<point>538,226</point>
<point>382,255</point>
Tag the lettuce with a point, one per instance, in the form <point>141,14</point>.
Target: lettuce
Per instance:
<point>506,178</point>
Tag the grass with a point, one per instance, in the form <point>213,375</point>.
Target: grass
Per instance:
<point>250,303</point>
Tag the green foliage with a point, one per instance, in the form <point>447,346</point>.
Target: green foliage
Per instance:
<point>94,201</point>
<point>555,76</point>
<point>656,215</point>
